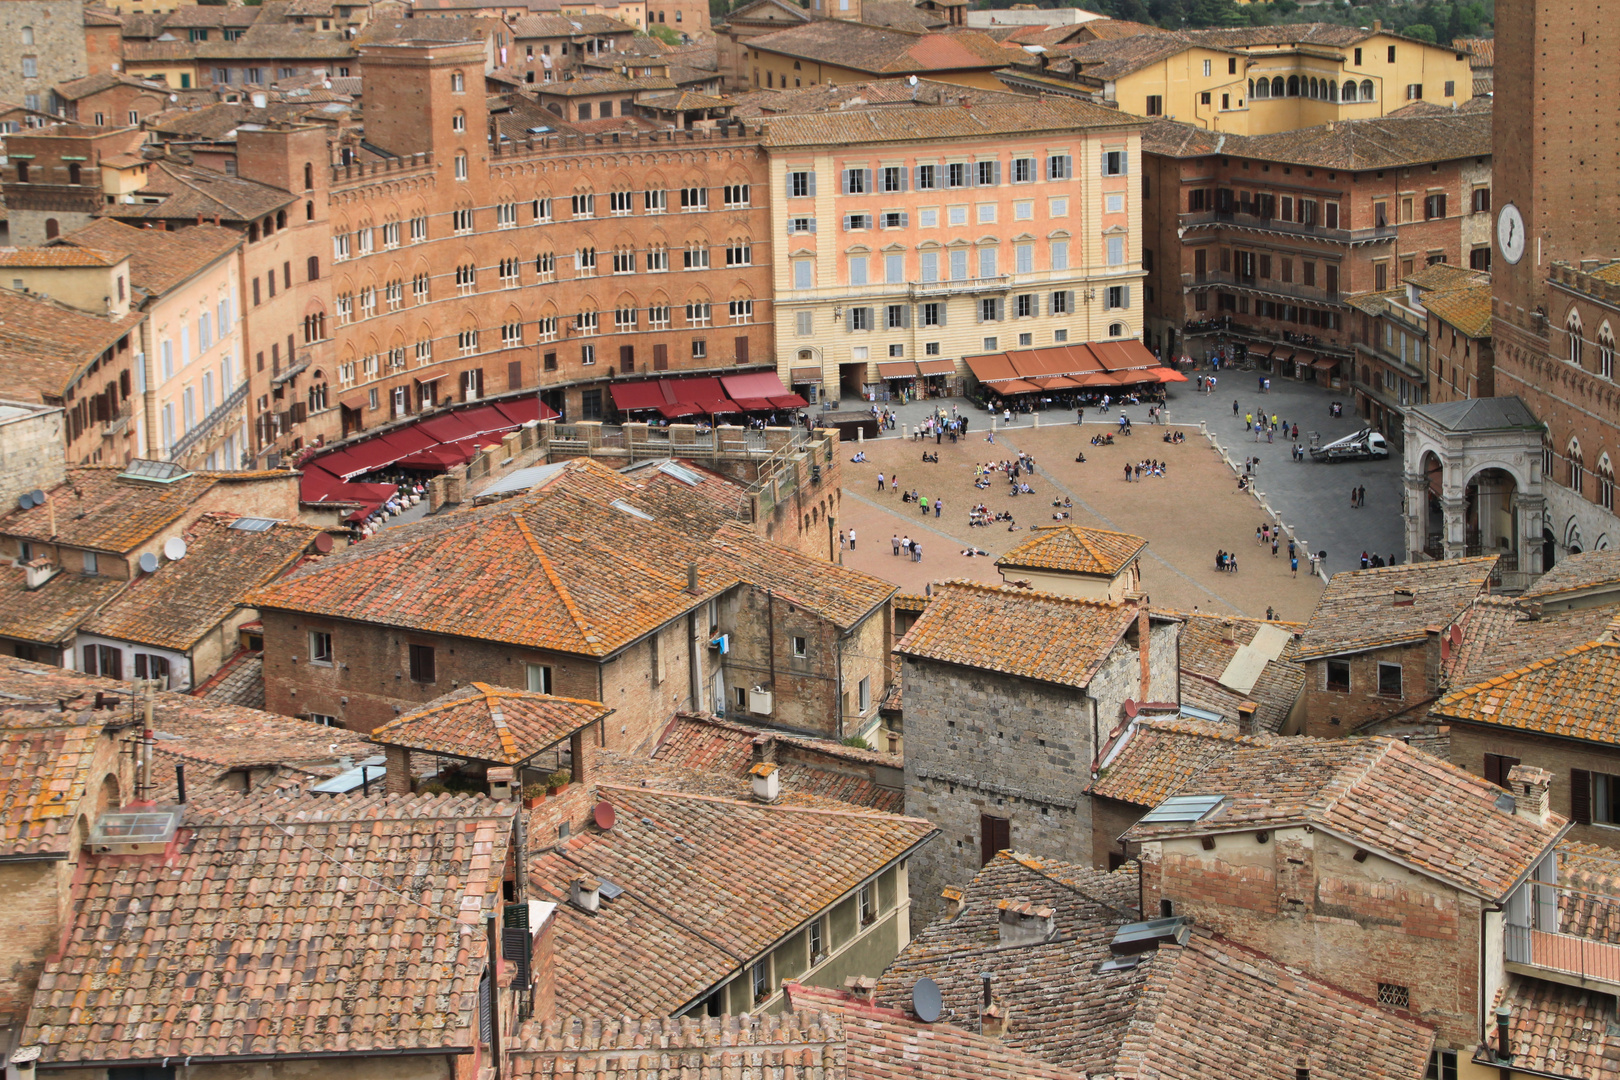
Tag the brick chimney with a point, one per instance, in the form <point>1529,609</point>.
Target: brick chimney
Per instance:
<point>1023,923</point>
<point>1532,792</point>
<point>1246,711</point>
<point>862,986</point>
<point>996,1020</point>
<point>767,780</point>
<point>1143,646</point>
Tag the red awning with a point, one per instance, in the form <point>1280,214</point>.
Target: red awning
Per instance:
<point>484,419</point>
<point>1133,377</point>
<point>523,409</point>
<point>788,401</point>
<point>407,440</point>
<point>937,367</point>
<point>354,403</point>
<point>317,484</point>
<point>676,410</point>
<point>448,427</point>
<point>443,456</point>
<point>1056,382</point>
<point>1167,375</point>
<point>1015,386</point>
<point>360,458</point>
<point>1326,363</point>
<point>898,369</point>
<point>717,405</point>
<point>755,384</point>
<point>991,367</point>
<point>694,391</point>
<point>753,404</point>
<point>1123,355</point>
<point>638,395</point>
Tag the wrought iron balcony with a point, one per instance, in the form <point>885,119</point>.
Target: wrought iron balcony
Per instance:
<point>1563,925</point>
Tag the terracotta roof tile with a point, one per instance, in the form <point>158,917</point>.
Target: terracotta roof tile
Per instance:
<point>1208,645</point>
<point>50,614</point>
<point>1469,309</point>
<point>567,26</point>
<point>56,256</point>
<point>239,681</point>
<point>1570,695</point>
<point>1377,143</point>
<point>709,884</point>
<point>882,50</point>
<point>489,723</point>
<point>99,509</point>
<point>726,751</point>
<point>795,1045</point>
<point>1034,635</point>
<point>44,767</point>
<point>857,126</point>
<point>187,191</point>
<point>1559,1030</point>
<point>1574,573</point>
<point>159,259</point>
<point>891,1044</point>
<point>1481,51</point>
<point>1375,793</point>
<point>186,600</point>
<point>1156,757</point>
<point>1498,636</point>
<point>269,894</point>
<point>1369,609</point>
<point>45,347</point>
<point>1075,549</point>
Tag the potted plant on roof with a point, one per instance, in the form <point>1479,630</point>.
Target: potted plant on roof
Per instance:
<point>558,780</point>
<point>533,795</point>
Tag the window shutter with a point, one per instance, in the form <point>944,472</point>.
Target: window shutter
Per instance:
<point>943,308</point>
<point>1125,296</point>
<point>1001,309</point>
<point>812,226</point>
<point>849,320</point>
<point>1124,163</point>
<point>1072,308</point>
<point>866,181</point>
<point>486,1010</point>
<point>1580,796</point>
<point>871,317</point>
<point>995,173</point>
<point>847,219</point>
<point>905,219</point>
<point>904,186</point>
<point>905,316</point>
<point>812,181</point>
<point>515,950</point>
<point>978,310</point>
<point>741,344</point>
<point>1035,303</point>
<point>846,179</point>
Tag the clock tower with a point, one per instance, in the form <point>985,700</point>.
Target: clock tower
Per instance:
<point>1556,150</point>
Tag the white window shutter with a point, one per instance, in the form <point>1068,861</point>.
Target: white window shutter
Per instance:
<point>812,183</point>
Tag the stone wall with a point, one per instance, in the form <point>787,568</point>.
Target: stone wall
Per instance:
<point>57,48</point>
<point>31,446</point>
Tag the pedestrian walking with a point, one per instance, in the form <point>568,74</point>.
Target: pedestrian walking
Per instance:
<point>1271,614</point>
<point>916,551</point>
<point>939,505</point>
<point>1293,563</point>
<point>905,545</point>
<point>895,540</point>
<point>923,502</point>
<point>1273,547</point>
<point>1257,535</point>
<point>1248,421</point>
<point>842,541</point>
<point>1127,474</point>
<point>852,539</point>
<point>1234,404</point>
<point>1290,549</point>
<point>1352,498</point>
<point>880,481</point>
<point>1361,496</point>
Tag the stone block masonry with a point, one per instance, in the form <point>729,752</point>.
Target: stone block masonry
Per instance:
<point>31,442</point>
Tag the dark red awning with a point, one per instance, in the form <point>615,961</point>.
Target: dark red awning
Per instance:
<point>639,395</point>
<point>789,401</point>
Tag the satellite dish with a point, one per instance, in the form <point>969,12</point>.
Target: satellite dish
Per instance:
<point>323,542</point>
<point>149,563</point>
<point>174,549</point>
<point>912,81</point>
<point>38,496</point>
<point>25,501</point>
<point>925,1000</point>
<point>604,815</point>
<point>1456,636</point>
<point>1131,708</point>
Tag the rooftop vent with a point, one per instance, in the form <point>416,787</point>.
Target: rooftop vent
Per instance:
<point>1133,939</point>
<point>37,572</point>
<point>585,893</point>
<point>767,780</point>
<point>135,832</point>
<point>1183,808</point>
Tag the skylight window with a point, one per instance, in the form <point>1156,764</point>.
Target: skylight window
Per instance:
<point>164,472</point>
<point>1183,808</point>
<point>621,505</point>
<point>681,473</point>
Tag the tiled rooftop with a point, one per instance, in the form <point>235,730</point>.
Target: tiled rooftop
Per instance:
<point>1075,549</point>
<point>804,1044</point>
<point>281,927</point>
<point>724,750</point>
<point>708,883</point>
<point>1468,309</point>
<point>45,347</point>
<point>1367,609</point>
<point>1352,145</point>
<point>490,723</point>
<point>887,1043</point>
<point>1208,645</point>
<point>1156,757</point>
<point>97,509</point>
<point>1499,635</point>
<point>1570,695</point>
<point>1034,635</point>
<point>881,50</point>
<point>186,600</point>
<point>57,257</point>
<point>50,614</point>
<point>945,122</point>
<point>1557,1030</point>
<point>1576,573</point>
<point>1208,1009</point>
<point>239,681</point>
<point>187,191</point>
<point>44,767</point>
<point>1375,793</point>
<point>159,259</point>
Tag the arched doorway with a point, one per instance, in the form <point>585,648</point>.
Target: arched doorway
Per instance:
<point>1432,513</point>
<point>1490,526</point>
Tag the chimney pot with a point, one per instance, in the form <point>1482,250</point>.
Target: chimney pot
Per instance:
<point>585,893</point>
<point>767,780</point>
<point>862,986</point>
<point>954,902</point>
<point>996,1020</point>
<point>1532,792</point>
<point>501,782</point>
<point>1246,711</point>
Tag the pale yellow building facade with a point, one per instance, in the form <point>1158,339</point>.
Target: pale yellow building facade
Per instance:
<point>930,234</point>
<point>1259,89</point>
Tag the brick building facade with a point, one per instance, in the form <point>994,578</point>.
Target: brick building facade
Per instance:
<point>1260,239</point>
<point>43,43</point>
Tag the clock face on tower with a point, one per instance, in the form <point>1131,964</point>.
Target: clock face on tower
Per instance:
<point>1510,233</point>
